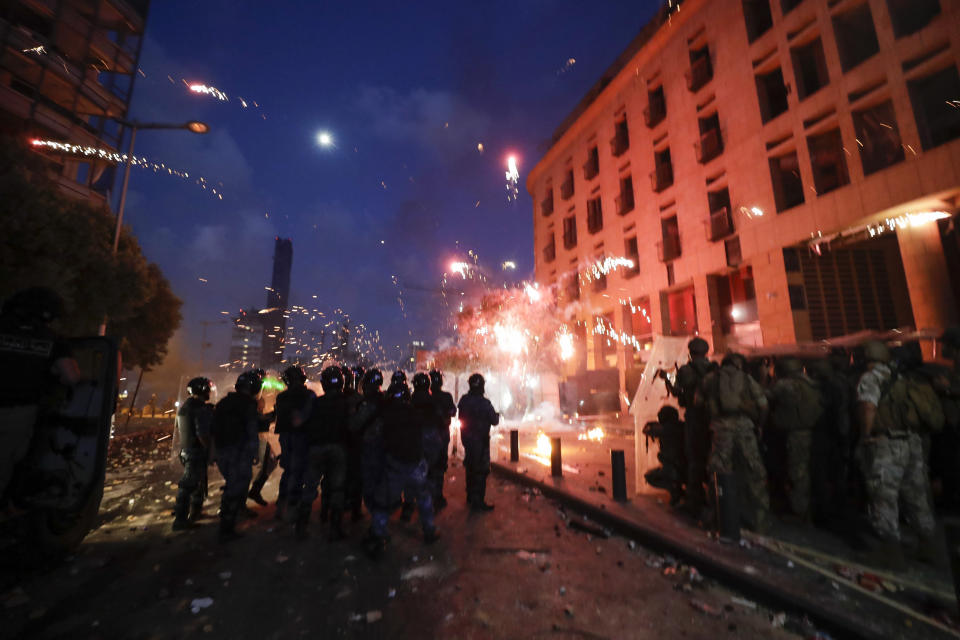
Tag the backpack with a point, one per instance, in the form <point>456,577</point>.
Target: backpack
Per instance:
<point>731,387</point>
<point>909,405</point>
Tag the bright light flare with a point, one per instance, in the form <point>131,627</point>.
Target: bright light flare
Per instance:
<point>324,139</point>
<point>460,268</point>
<point>510,339</point>
<point>544,448</point>
<point>210,91</point>
<point>533,293</point>
<point>513,178</point>
<point>565,344</point>
<point>508,265</point>
<point>595,434</point>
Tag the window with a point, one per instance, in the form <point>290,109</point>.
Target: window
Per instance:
<point>625,199</point>
<point>721,221</point>
<point>550,250</point>
<point>909,16</point>
<point>711,140</point>
<point>736,299</point>
<point>856,37</point>
<point>772,93</point>
<point>662,176</point>
<point>640,322</point>
<point>621,138</point>
<point>701,69</point>
<point>600,282</point>
<point>631,251</point>
<point>656,109</point>
<point>756,13</point>
<point>566,189</point>
<point>546,205</point>
<point>670,244</point>
<point>680,309</point>
<point>937,120</point>
<point>606,347</point>
<point>591,168</point>
<point>573,286</point>
<point>791,260</point>
<point>878,137</point>
<point>829,161</point>
<point>787,185</point>
<point>789,5</point>
<point>732,248</point>
<point>810,68</point>
<point>798,301</point>
<point>594,215</point>
<point>570,232</point>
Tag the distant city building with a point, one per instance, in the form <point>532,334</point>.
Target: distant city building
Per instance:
<point>776,171</point>
<point>67,69</point>
<point>278,299</point>
<point>246,340</point>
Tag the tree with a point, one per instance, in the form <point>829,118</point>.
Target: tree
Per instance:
<point>52,240</point>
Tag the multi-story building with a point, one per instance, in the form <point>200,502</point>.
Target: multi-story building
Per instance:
<point>67,70</point>
<point>278,300</point>
<point>778,171</point>
<point>246,340</point>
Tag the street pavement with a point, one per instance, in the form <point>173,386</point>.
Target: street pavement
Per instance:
<point>529,569</point>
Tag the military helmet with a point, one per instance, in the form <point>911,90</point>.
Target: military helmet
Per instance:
<point>698,347</point>
<point>199,387</point>
<point>819,367</point>
<point>788,366</point>
<point>668,413</point>
<point>421,381</point>
<point>34,304</point>
<point>331,379</point>
<point>249,382</point>
<point>294,376</point>
<point>733,358</point>
<point>951,336</point>
<point>436,378</point>
<point>399,376</point>
<point>476,382</point>
<point>875,351</point>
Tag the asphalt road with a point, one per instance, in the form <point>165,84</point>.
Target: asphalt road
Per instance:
<point>520,571</point>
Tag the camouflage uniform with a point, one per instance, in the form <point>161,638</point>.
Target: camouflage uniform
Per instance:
<point>891,457</point>
<point>735,440</point>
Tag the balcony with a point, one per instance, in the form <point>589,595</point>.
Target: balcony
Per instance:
<point>619,143</point>
<point>546,205</point>
<point>710,146</point>
<point>669,248</point>
<point>566,189</point>
<point>591,168</point>
<point>654,114</point>
<point>624,203</point>
<point>699,73</point>
<point>719,225</point>
<point>661,177</point>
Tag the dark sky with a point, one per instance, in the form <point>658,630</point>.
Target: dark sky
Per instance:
<point>407,90</point>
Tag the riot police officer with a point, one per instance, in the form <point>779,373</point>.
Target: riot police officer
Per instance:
<point>236,436</point>
<point>194,421</point>
<point>294,406</point>
<point>367,425</point>
<point>477,415</point>
<point>326,458</point>
<point>34,363</point>
<point>354,444</point>
<point>445,410</point>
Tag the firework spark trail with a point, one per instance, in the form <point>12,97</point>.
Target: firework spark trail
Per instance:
<point>121,158</point>
<point>210,91</point>
<point>513,178</point>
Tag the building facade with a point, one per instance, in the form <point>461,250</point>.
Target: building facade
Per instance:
<point>278,300</point>
<point>246,340</point>
<point>67,69</point>
<point>774,171</point>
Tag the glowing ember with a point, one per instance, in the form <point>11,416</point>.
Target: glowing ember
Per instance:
<point>593,435</point>
<point>210,91</point>
<point>513,178</point>
<point>460,268</point>
<point>533,292</point>
<point>509,265</point>
<point>565,343</point>
<point>543,448</point>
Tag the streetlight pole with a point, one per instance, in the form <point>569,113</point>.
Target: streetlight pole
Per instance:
<point>194,125</point>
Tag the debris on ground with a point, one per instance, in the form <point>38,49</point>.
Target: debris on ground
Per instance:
<point>200,603</point>
<point>373,616</point>
<point>424,571</point>
<point>591,529</point>
<point>743,602</point>
<point>703,607</point>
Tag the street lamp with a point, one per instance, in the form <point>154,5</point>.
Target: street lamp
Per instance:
<point>193,125</point>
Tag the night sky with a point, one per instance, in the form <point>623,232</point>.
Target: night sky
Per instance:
<point>407,91</point>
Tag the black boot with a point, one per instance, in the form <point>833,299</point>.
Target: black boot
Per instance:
<point>357,513</point>
<point>278,514</point>
<point>406,512</point>
<point>431,536</point>
<point>480,503</point>
<point>336,526</point>
<point>303,519</point>
<point>256,496</point>
<point>439,504</point>
<point>180,512</point>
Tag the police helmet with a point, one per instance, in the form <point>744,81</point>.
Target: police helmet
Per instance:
<point>372,381</point>
<point>34,304</point>
<point>294,376</point>
<point>399,376</point>
<point>698,347</point>
<point>358,372</point>
<point>249,382</point>
<point>788,366</point>
<point>735,359</point>
<point>331,379</point>
<point>875,351</point>
<point>668,414</point>
<point>436,379</point>
<point>421,381</point>
<point>398,391</point>
<point>476,382</point>
<point>199,387</point>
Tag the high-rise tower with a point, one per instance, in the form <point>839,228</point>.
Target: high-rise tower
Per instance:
<point>278,300</point>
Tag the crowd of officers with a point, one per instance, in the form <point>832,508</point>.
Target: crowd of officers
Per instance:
<point>859,431</point>
<point>354,445</point>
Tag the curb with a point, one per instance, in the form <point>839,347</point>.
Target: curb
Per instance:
<point>764,591</point>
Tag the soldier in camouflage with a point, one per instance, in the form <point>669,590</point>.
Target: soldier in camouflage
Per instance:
<point>796,409</point>
<point>891,455</point>
<point>737,404</point>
